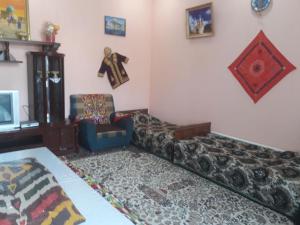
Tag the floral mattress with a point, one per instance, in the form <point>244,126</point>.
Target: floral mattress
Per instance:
<point>154,135</point>
<point>269,177</point>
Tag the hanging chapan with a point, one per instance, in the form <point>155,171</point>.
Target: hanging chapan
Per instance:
<point>112,65</point>
<point>260,67</point>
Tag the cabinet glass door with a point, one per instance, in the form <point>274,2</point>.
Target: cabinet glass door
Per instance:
<point>56,88</point>
<point>39,89</point>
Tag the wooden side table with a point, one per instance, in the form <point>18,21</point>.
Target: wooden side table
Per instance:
<point>61,138</point>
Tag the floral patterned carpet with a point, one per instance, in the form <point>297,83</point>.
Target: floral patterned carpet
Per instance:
<point>155,192</point>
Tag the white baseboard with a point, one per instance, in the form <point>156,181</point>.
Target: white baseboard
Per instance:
<point>250,142</point>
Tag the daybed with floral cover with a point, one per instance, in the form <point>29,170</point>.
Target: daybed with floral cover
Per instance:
<point>266,176</point>
<point>154,135</point>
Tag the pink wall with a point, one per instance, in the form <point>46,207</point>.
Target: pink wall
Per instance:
<point>83,40</point>
<point>191,83</point>
<point>189,78</point>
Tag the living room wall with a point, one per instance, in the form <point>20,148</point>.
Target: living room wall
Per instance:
<point>190,81</point>
<point>83,40</point>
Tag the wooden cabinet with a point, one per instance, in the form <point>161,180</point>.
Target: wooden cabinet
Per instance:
<point>62,138</point>
<point>46,87</point>
<point>21,139</point>
<point>45,100</point>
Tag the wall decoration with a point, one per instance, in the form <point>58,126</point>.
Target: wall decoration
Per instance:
<point>260,5</point>
<point>112,64</point>
<point>260,67</point>
<point>115,26</point>
<point>199,21</point>
<point>14,19</point>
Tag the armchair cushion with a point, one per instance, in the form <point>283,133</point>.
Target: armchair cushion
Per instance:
<point>97,107</point>
<point>96,137</point>
<point>109,131</point>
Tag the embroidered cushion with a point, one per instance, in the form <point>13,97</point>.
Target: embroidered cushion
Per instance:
<point>97,107</point>
<point>118,116</point>
<point>30,194</point>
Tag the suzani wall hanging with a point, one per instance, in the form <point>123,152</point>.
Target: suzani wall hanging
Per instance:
<point>112,65</point>
<point>260,67</point>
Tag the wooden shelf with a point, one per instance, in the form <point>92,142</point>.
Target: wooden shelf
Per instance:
<point>31,43</point>
<point>10,61</point>
<point>46,47</point>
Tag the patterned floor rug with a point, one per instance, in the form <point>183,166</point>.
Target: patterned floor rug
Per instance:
<point>163,194</point>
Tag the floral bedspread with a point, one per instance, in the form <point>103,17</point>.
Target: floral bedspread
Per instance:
<point>269,177</point>
<point>266,176</point>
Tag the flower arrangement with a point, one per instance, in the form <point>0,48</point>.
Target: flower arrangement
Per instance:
<point>51,31</point>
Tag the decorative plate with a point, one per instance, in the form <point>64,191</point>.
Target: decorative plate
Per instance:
<point>260,5</point>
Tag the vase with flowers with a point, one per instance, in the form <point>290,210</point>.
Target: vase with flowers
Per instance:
<point>51,31</point>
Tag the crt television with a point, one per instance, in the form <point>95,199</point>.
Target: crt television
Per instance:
<point>9,110</point>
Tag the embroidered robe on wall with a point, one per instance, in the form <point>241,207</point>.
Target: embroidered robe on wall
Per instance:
<point>115,70</point>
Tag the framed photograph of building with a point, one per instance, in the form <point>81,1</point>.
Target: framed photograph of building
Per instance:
<point>14,19</point>
<point>115,26</point>
<point>199,21</point>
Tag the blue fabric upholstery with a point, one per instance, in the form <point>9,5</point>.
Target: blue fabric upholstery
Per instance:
<point>111,134</point>
<point>89,135</point>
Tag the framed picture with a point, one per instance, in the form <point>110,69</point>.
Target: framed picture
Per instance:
<point>14,19</point>
<point>199,21</point>
<point>115,26</point>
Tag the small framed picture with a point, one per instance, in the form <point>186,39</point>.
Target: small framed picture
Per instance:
<point>115,26</point>
<point>14,19</point>
<point>199,21</point>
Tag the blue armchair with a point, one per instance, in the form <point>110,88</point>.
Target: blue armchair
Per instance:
<point>95,114</point>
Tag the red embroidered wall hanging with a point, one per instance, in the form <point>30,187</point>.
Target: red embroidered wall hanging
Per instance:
<point>260,67</point>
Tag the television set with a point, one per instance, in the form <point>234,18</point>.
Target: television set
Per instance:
<point>9,110</point>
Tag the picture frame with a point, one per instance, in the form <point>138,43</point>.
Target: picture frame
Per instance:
<point>199,21</point>
<point>115,26</point>
<point>14,19</point>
